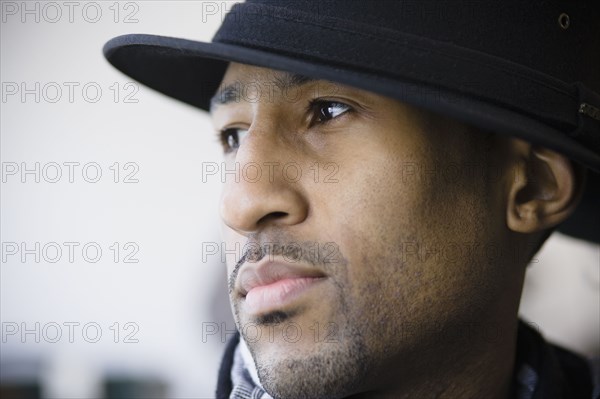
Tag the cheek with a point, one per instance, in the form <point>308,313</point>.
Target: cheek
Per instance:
<point>376,199</point>
<point>412,237</point>
<point>373,217</point>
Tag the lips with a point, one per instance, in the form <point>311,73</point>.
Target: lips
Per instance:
<point>272,285</point>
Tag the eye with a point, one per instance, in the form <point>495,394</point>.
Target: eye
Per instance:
<point>324,110</point>
<point>230,138</point>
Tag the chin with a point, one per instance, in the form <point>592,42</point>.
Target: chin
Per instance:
<point>309,369</point>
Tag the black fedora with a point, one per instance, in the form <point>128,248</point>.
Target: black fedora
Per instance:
<point>527,69</point>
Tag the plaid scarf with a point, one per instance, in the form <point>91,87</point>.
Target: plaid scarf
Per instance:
<point>244,376</point>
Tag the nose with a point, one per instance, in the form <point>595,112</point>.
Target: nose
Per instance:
<point>262,193</point>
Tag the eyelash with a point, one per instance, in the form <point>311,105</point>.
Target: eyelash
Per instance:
<point>315,108</point>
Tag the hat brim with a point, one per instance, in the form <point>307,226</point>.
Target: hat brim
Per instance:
<point>191,72</point>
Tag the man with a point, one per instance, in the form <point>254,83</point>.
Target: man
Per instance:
<point>402,162</point>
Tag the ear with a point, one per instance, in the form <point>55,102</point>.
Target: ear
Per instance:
<point>546,189</point>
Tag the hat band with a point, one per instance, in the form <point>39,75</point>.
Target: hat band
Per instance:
<point>588,130</point>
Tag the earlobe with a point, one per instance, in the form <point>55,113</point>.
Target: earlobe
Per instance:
<point>546,191</point>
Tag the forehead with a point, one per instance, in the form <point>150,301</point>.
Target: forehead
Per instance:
<point>251,83</point>
<point>250,73</point>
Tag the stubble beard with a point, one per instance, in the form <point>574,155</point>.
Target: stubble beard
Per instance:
<point>329,369</point>
<point>334,367</point>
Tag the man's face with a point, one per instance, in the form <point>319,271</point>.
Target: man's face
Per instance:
<point>379,227</point>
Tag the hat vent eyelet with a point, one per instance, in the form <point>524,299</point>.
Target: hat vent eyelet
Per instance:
<point>564,21</point>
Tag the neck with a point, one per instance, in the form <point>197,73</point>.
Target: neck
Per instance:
<point>467,368</point>
<point>473,362</point>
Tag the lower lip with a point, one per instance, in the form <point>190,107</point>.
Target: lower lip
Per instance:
<point>269,298</point>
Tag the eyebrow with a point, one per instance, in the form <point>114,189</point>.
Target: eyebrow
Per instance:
<point>233,92</point>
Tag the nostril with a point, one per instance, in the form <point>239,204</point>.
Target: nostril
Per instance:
<point>273,216</point>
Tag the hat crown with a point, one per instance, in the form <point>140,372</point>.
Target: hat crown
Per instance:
<point>556,37</point>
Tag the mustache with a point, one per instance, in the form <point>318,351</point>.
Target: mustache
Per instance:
<point>314,253</point>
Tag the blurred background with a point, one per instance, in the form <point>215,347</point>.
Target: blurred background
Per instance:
<point>111,282</point>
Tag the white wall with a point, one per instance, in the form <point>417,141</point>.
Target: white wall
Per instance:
<point>168,214</point>
<point>561,295</point>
